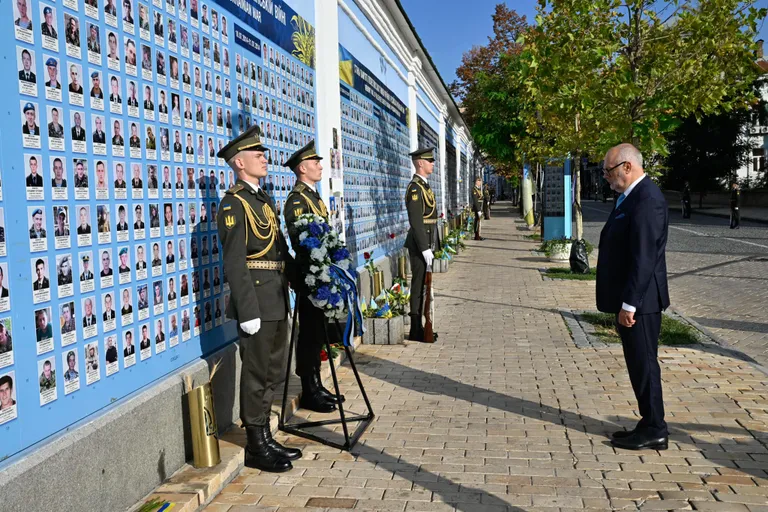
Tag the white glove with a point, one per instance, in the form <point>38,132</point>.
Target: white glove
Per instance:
<point>428,257</point>
<point>251,327</point>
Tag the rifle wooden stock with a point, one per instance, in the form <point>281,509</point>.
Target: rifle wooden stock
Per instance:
<point>429,335</point>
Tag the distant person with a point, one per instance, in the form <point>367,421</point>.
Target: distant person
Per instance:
<point>735,201</point>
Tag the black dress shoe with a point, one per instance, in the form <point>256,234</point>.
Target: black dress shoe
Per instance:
<point>620,434</point>
<point>638,441</point>
<point>328,395</point>
<point>283,451</point>
<point>259,455</point>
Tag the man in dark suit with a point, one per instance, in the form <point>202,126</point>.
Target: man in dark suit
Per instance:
<point>632,284</point>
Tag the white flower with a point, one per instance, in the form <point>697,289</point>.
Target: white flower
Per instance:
<point>325,276</point>
<point>318,254</point>
<point>343,264</point>
<point>310,280</point>
<point>334,289</point>
<point>318,303</point>
<point>303,235</point>
<point>314,269</point>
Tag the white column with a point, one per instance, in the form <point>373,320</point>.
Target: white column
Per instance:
<point>413,117</point>
<point>460,185</point>
<point>328,102</point>
<point>443,166</point>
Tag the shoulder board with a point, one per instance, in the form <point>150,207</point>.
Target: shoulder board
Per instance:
<point>235,189</point>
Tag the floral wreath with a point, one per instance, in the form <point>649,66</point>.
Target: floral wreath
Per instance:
<point>330,277</point>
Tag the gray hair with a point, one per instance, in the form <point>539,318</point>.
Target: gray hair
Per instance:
<point>629,153</point>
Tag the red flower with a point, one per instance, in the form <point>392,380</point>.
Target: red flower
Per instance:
<point>367,255</point>
<point>442,215</point>
<point>391,235</point>
<point>323,355</point>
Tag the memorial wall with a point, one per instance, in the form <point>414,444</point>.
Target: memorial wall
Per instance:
<point>110,184</point>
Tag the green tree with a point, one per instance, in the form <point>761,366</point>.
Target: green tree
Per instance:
<point>609,71</point>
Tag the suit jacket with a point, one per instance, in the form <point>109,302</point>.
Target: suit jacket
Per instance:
<point>631,265</point>
<point>255,293</point>
<point>27,76</point>
<point>422,215</point>
<point>78,133</point>
<point>99,138</point>
<point>93,320</point>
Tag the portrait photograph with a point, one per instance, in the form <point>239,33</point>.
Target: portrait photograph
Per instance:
<point>129,348</point>
<point>26,65</point>
<point>30,127</point>
<point>111,355</point>
<point>48,28</point>
<point>46,369</point>
<point>92,363</point>
<point>70,363</point>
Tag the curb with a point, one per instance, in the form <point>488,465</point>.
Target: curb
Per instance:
<point>191,490</point>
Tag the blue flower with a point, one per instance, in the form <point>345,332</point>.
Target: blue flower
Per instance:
<point>335,299</point>
<point>323,293</point>
<point>310,242</point>
<point>326,228</point>
<point>315,229</point>
<point>340,254</point>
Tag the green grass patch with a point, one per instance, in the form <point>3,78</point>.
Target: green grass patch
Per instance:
<point>534,236</point>
<point>673,332</point>
<point>565,273</point>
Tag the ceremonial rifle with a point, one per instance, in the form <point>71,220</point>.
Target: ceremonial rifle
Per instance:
<point>429,334</point>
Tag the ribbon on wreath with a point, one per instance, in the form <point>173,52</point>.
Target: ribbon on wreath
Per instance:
<point>355,314</point>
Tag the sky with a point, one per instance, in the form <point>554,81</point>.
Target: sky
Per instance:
<point>448,28</point>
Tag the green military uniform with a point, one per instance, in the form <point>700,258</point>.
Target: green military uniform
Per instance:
<point>486,202</point>
<point>422,216</point>
<point>255,260</point>
<point>477,207</point>
<point>46,384</point>
<point>312,322</point>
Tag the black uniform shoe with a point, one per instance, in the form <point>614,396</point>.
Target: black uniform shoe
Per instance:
<point>328,395</point>
<point>311,398</point>
<point>259,455</point>
<point>638,441</point>
<point>283,451</point>
<point>417,330</point>
<point>479,238</point>
<point>619,434</point>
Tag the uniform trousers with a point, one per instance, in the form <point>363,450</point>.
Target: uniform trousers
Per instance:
<point>477,223</point>
<point>735,217</point>
<point>311,340</point>
<point>487,211</point>
<point>418,275</point>
<point>264,357</point>
<point>641,348</point>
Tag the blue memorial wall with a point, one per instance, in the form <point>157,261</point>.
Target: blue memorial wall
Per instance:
<point>110,267</point>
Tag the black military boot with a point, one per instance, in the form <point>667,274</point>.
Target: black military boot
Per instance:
<point>259,455</point>
<point>312,399</point>
<point>283,451</point>
<point>328,395</point>
<point>417,330</point>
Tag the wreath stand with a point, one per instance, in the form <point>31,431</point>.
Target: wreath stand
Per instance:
<point>299,429</point>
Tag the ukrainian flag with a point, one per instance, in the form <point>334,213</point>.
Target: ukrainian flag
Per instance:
<point>346,73</point>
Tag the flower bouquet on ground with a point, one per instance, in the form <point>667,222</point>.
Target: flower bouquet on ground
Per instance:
<point>330,277</point>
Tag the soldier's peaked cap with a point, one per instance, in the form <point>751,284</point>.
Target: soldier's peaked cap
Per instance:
<point>249,140</point>
<point>308,152</point>
<point>424,153</point>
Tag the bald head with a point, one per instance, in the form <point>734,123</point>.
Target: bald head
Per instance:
<point>623,165</point>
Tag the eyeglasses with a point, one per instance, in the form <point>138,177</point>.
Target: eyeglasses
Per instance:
<point>609,171</point>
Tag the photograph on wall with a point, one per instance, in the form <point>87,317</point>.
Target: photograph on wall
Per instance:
<point>67,323</point>
<point>93,42</point>
<point>126,307</point>
<point>186,331</point>
<point>6,343</point>
<point>34,177</point>
<point>141,262</point>
<point>61,233</point>
<point>69,361</point>
<point>145,343</point>
<point>82,191</point>
<point>171,294</point>
<point>84,235</point>
<point>173,330</point>
<point>86,272</point>
<point>184,290</point>
<point>72,31</point>
<point>108,316</point>
<point>102,183</point>
<point>96,93</point>
<point>121,186</point>
<point>143,303</point>
<point>157,261</point>
<point>38,236</point>
<point>75,88</point>
<point>89,320</point>
<point>22,25</point>
<point>43,330</point>
<point>158,301</point>
<point>110,357</point>
<point>91,356</point>
<point>122,228</point>
<point>46,369</point>
<point>48,31</point>
<point>106,275</point>
<point>55,129</point>
<point>26,64</point>
<point>124,265</point>
<point>41,286</point>
<point>104,226</point>
<point>8,397</point>
<point>129,349</point>
<point>58,179</point>
<point>159,336</point>
<point>65,288</point>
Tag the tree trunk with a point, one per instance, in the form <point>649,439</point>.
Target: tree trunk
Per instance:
<point>577,199</point>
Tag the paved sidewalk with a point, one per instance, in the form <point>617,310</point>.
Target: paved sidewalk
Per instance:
<point>505,413</point>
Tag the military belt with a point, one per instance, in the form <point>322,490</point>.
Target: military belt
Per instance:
<point>430,221</point>
<point>266,265</point>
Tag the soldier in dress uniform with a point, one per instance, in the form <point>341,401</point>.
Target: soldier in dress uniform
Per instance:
<point>422,216</point>
<point>256,259</point>
<point>304,198</point>
<point>486,202</point>
<point>477,205</point>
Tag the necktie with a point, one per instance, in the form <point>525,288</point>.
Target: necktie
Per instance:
<point>620,200</point>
